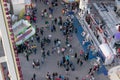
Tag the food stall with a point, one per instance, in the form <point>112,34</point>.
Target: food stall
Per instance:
<point>106,54</point>
<point>22,30</point>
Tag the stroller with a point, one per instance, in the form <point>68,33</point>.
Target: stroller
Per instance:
<point>36,64</point>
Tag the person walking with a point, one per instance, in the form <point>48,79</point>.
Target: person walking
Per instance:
<point>67,70</point>
<point>51,10</point>
<point>90,70</point>
<point>78,60</point>
<point>41,31</point>
<point>43,54</point>
<point>34,76</point>
<point>27,57</point>
<point>75,55</point>
<point>34,48</point>
<point>54,28</point>
<point>58,63</point>
<point>55,20</point>
<point>48,52</point>
<point>38,38</point>
<point>81,62</point>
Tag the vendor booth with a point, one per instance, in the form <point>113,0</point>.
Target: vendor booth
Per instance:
<point>106,54</point>
<point>22,30</point>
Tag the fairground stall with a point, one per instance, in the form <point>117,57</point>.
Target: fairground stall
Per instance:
<point>106,54</point>
<point>23,30</point>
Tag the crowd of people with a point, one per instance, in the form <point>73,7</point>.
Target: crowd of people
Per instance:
<point>63,48</point>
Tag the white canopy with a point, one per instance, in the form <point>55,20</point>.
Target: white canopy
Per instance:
<point>107,52</point>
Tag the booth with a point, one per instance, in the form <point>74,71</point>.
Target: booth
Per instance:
<point>22,30</point>
<point>106,54</point>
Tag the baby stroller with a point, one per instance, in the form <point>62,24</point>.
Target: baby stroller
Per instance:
<point>36,64</point>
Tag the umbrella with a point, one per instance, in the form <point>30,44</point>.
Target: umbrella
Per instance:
<point>117,36</point>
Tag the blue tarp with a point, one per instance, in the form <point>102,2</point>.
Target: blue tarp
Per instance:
<point>79,28</point>
<point>103,70</point>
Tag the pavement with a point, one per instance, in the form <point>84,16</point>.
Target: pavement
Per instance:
<point>50,64</point>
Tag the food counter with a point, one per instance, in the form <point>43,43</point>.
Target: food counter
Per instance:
<point>22,30</point>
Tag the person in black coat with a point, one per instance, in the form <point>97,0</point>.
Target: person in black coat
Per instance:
<point>75,55</point>
<point>78,60</point>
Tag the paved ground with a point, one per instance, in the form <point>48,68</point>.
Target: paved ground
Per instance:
<point>1,49</point>
<point>51,61</point>
<point>50,64</point>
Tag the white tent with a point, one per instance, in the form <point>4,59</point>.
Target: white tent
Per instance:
<point>107,52</point>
